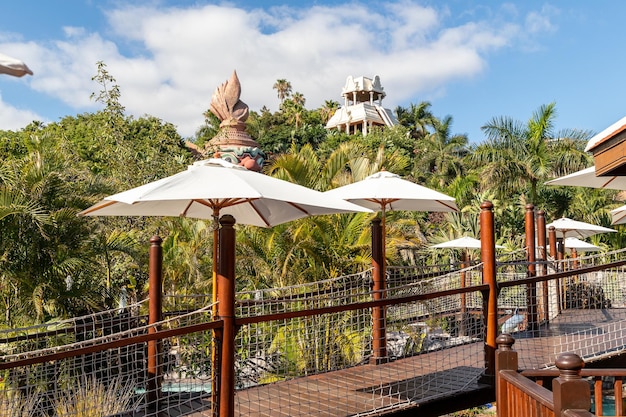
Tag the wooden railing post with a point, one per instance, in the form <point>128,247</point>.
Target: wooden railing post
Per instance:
<point>155,313</point>
<point>531,289</point>
<point>226,311</point>
<point>506,359</point>
<point>463,315</point>
<point>541,242</point>
<point>554,255</point>
<point>379,328</point>
<point>570,391</point>
<point>490,300</point>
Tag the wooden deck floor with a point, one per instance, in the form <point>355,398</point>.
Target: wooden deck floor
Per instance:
<point>413,383</point>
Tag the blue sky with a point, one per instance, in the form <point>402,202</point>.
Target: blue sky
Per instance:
<point>473,60</point>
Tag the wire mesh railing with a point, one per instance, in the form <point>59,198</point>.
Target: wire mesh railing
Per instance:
<point>313,340</point>
<point>580,309</point>
<point>101,368</point>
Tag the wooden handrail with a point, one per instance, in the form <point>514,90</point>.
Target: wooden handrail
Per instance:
<point>522,396</point>
<point>540,376</point>
<point>518,396</point>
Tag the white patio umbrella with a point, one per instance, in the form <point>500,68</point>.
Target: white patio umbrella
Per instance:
<point>214,187</point>
<point>13,66</point>
<point>575,228</point>
<point>618,215</point>
<point>587,178</point>
<point>211,188</point>
<point>580,245</point>
<point>464,242</point>
<point>385,191</point>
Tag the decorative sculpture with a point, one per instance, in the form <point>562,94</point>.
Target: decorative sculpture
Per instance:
<point>232,142</point>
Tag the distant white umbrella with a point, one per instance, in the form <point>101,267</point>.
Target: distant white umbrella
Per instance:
<point>574,228</point>
<point>464,242</point>
<point>13,66</point>
<point>587,178</point>
<point>580,245</point>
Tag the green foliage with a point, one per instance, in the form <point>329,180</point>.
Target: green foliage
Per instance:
<point>51,172</point>
<point>92,398</point>
<point>15,404</point>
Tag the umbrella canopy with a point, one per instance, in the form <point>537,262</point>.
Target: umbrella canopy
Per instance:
<point>575,228</point>
<point>214,187</point>
<point>618,215</point>
<point>385,191</point>
<point>12,66</point>
<point>464,242</point>
<point>587,178</point>
<point>580,245</point>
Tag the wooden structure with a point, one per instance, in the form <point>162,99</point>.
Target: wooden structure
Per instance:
<point>379,385</point>
<point>609,149</point>
<point>554,392</point>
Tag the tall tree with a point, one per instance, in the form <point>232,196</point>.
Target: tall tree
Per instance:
<point>417,118</point>
<point>441,153</point>
<point>521,156</point>
<point>328,110</point>
<point>283,89</point>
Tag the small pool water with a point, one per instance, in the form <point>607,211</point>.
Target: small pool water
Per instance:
<point>608,406</point>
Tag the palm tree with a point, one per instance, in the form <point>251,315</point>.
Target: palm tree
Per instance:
<point>294,109</point>
<point>418,118</point>
<point>443,153</point>
<point>283,88</point>
<point>521,156</point>
<point>328,110</point>
<point>298,98</point>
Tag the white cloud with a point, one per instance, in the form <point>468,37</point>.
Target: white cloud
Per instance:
<point>15,119</point>
<point>180,55</point>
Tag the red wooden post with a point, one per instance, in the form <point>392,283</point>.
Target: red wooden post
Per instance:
<point>490,300</point>
<point>463,319</point>
<point>155,314</point>
<point>570,391</point>
<point>379,331</point>
<point>531,289</point>
<point>226,297</point>
<point>541,242</point>
<point>506,359</point>
<point>552,241</point>
<point>553,254</point>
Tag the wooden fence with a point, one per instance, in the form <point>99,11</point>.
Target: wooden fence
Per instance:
<point>523,394</point>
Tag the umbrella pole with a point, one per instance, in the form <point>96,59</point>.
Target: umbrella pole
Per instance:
<point>466,264</point>
<point>490,297</point>
<point>379,338</point>
<point>384,243</point>
<point>155,315</point>
<point>214,348</point>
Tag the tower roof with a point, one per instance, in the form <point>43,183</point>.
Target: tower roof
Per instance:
<point>363,86</point>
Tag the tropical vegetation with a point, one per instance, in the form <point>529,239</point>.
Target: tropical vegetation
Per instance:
<point>55,264</point>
